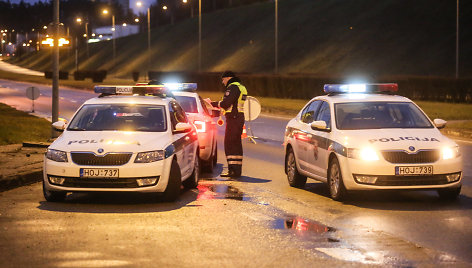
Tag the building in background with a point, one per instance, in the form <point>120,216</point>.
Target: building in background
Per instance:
<point>105,33</point>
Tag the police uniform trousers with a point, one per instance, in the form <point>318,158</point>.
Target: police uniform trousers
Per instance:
<point>233,145</point>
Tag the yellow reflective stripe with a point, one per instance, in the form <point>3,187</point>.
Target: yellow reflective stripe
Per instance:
<point>235,163</point>
<point>234,157</point>
<point>243,91</point>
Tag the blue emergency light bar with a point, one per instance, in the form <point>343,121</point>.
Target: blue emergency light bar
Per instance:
<point>181,86</point>
<point>360,88</point>
<point>155,90</point>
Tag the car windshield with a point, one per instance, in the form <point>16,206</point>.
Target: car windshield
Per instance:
<point>189,104</point>
<point>123,117</point>
<point>374,115</point>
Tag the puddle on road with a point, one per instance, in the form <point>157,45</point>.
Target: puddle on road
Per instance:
<point>220,191</point>
<point>302,225</point>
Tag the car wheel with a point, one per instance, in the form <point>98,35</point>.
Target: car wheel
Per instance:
<point>337,191</point>
<point>293,176</point>
<point>192,181</point>
<point>53,196</point>
<point>449,193</point>
<point>210,164</point>
<point>215,156</point>
<point>172,190</point>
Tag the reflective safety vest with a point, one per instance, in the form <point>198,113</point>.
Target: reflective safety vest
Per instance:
<point>241,99</point>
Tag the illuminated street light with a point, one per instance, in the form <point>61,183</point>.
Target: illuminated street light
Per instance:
<point>79,20</point>
<point>105,11</point>
<point>164,7</point>
<point>124,24</point>
<point>139,4</point>
<point>45,27</point>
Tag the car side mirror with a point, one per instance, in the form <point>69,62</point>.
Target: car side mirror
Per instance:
<point>319,125</point>
<point>215,113</point>
<point>59,125</point>
<point>439,123</point>
<point>182,128</point>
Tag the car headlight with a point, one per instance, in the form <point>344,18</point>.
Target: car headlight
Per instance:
<point>56,155</point>
<point>148,157</point>
<point>450,152</point>
<point>366,154</point>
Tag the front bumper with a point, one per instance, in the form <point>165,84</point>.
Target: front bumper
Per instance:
<point>126,182</point>
<point>387,179</point>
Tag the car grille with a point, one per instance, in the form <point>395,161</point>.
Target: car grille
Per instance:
<point>403,157</point>
<point>110,159</point>
<point>103,182</point>
<point>411,180</point>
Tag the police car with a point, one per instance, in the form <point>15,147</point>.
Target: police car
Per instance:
<point>201,115</point>
<point>123,141</point>
<point>363,137</point>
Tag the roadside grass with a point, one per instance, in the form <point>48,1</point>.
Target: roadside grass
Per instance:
<point>17,126</point>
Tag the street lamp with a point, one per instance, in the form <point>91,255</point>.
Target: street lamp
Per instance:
<point>79,20</point>
<point>457,40</point>
<point>105,11</point>
<point>276,48</point>
<point>139,4</point>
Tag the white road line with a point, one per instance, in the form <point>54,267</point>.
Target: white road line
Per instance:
<point>257,216</point>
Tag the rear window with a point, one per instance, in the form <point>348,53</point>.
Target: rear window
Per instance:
<point>189,104</point>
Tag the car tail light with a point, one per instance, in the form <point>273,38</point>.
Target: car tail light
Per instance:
<point>200,125</point>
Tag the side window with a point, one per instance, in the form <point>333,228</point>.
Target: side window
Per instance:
<point>177,114</point>
<point>308,115</point>
<point>324,114</point>
<point>204,105</point>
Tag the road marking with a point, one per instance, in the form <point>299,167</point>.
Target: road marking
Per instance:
<point>347,254</point>
<point>257,216</point>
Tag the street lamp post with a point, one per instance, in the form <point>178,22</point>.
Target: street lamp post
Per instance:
<point>276,48</point>
<point>105,11</point>
<point>457,40</point>
<point>79,20</point>
<point>199,35</point>
<point>55,68</point>
<point>139,4</point>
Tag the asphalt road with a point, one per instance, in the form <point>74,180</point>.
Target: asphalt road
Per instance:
<point>257,220</point>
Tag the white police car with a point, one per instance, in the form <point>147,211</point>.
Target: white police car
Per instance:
<point>361,137</point>
<point>123,141</point>
<point>201,116</point>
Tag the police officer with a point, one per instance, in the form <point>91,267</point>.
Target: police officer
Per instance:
<point>233,104</point>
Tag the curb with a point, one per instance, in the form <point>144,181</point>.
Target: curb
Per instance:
<point>18,180</point>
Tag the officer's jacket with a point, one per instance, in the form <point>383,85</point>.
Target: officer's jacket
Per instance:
<point>233,100</point>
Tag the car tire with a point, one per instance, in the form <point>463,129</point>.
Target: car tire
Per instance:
<point>210,164</point>
<point>294,178</point>
<point>192,181</point>
<point>53,196</point>
<point>449,193</point>
<point>172,190</point>
<point>337,191</point>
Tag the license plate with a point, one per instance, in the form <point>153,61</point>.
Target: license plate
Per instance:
<point>99,172</point>
<point>413,170</point>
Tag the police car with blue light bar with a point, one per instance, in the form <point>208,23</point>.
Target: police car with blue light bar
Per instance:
<point>364,137</point>
<point>129,139</point>
<point>202,115</point>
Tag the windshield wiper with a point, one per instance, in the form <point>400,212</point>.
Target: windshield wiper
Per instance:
<point>76,129</point>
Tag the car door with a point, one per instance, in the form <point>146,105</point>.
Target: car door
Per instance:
<point>184,147</point>
<point>317,155</point>
<point>303,136</point>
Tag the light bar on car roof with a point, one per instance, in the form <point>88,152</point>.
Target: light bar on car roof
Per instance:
<point>360,88</point>
<point>181,86</point>
<point>157,90</point>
